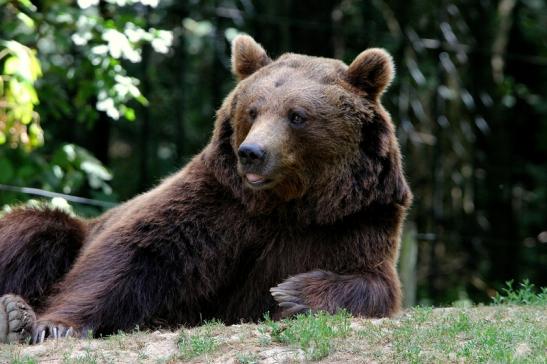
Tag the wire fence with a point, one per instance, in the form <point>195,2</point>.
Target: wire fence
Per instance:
<point>49,194</point>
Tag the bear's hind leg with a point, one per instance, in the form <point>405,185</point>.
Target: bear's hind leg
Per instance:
<point>16,320</point>
<point>37,248</point>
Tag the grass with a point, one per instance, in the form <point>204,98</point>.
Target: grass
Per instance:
<point>88,357</point>
<point>247,358</point>
<point>506,332</point>
<point>199,343</point>
<point>312,333</point>
<point>465,335</point>
<point>23,360</point>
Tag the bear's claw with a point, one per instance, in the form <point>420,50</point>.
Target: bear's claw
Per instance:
<point>51,330</point>
<point>16,319</point>
<point>289,298</point>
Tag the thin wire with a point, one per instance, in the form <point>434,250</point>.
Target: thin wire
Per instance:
<point>49,194</point>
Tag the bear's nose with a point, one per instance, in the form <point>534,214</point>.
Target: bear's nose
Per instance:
<point>251,154</point>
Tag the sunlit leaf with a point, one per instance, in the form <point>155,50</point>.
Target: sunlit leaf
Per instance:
<point>25,19</point>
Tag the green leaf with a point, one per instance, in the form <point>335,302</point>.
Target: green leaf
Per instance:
<point>28,4</point>
<point>27,20</point>
<point>11,66</point>
<point>142,100</point>
<point>129,114</point>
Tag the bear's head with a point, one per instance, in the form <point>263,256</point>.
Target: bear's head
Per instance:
<point>308,135</point>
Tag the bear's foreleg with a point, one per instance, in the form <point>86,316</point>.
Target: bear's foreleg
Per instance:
<point>370,294</point>
<point>111,287</point>
<point>139,275</point>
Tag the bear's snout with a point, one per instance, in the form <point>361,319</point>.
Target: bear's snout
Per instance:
<point>261,152</point>
<point>253,159</point>
<point>251,155</point>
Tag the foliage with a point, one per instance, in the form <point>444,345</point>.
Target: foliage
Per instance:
<point>524,295</point>
<point>19,122</point>
<point>69,169</point>
<point>82,51</point>
<point>83,47</point>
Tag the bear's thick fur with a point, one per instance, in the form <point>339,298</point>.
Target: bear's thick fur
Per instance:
<point>296,204</point>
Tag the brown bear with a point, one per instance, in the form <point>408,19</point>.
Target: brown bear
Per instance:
<point>295,205</point>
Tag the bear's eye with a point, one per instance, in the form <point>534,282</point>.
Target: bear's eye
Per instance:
<point>253,113</point>
<point>297,118</point>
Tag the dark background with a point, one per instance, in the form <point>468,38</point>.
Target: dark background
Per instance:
<point>469,102</point>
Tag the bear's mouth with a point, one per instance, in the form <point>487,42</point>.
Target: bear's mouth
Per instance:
<point>257,181</point>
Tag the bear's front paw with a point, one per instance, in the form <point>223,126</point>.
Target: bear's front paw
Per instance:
<point>49,329</point>
<point>16,319</point>
<point>305,292</point>
<point>289,296</point>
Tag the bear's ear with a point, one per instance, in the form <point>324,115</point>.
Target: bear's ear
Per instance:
<point>372,71</point>
<point>247,56</point>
